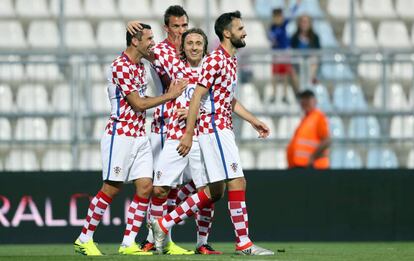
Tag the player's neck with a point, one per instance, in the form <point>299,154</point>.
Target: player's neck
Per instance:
<point>133,55</point>
<point>194,63</point>
<point>229,47</point>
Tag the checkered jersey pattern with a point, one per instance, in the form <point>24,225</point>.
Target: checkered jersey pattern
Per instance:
<point>167,63</point>
<point>219,75</point>
<point>125,77</point>
<point>176,127</point>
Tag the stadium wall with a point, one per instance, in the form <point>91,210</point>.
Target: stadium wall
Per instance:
<point>300,205</point>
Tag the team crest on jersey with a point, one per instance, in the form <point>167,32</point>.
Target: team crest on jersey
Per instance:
<point>117,170</point>
<point>234,166</point>
<point>159,173</point>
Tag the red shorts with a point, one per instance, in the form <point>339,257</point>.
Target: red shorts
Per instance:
<point>281,68</point>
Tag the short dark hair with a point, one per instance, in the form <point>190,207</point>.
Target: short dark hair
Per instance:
<point>306,94</point>
<point>174,10</point>
<point>277,11</point>
<point>193,31</point>
<point>224,21</point>
<point>138,34</point>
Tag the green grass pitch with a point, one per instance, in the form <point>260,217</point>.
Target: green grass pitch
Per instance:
<point>293,251</point>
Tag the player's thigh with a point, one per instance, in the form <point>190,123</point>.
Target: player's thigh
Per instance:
<point>220,155</point>
<point>195,169</point>
<point>142,164</point>
<point>170,166</point>
<point>116,154</point>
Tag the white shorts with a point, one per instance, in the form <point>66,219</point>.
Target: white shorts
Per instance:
<point>156,145</point>
<point>220,155</point>
<point>171,166</point>
<point>125,158</point>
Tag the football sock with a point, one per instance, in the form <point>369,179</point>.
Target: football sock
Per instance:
<point>96,210</point>
<point>136,213</point>
<point>186,209</point>
<point>185,191</point>
<point>239,218</point>
<point>204,219</point>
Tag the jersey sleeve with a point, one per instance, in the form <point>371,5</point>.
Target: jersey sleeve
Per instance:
<point>323,127</point>
<point>123,77</point>
<point>210,70</point>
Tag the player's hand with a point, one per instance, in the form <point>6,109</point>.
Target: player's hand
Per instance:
<point>177,87</point>
<point>182,113</point>
<point>261,128</point>
<point>186,142</point>
<point>133,27</point>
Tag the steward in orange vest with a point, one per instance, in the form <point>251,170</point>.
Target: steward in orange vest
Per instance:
<point>309,145</point>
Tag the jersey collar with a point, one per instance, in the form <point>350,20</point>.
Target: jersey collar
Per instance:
<point>127,58</point>
<point>224,51</point>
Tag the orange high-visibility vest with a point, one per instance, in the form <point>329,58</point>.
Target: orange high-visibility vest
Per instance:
<point>312,129</point>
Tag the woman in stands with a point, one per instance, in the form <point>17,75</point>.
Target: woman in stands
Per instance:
<point>305,38</point>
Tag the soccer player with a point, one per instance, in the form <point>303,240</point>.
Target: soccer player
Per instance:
<point>193,48</point>
<point>165,61</point>
<point>215,92</point>
<point>126,150</point>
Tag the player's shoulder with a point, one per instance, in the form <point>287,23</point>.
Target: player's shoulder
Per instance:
<point>215,57</point>
<point>121,61</point>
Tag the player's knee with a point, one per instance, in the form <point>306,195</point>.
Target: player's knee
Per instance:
<point>144,189</point>
<point>216,195</point>
<point>160,192</point>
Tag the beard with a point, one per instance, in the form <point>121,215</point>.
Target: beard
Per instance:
<point>238,43</point>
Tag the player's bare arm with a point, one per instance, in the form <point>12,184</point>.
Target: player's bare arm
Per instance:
<point>143,103</point>
<point>243,113</point>
<point>187,140</point>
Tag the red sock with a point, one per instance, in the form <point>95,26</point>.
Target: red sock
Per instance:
<point>204,220</point>
<point>239,218</point>
<point>185,191</point>
<point>158,208</point>
<point>185,210</point>
<point>135,216</point>
<point>171,198</point>
<point>96,210</point>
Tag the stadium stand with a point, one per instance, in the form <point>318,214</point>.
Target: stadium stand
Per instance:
<point>21,160</point>
<point>381,158</point>
<point>6,98</point>
<point>61,129</point>
<point>57,160</point>
<point>37,75</point>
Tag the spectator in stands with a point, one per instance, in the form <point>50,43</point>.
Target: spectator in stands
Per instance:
<point>280,41</point>
<point>305,38</point>
<point>309,145</point>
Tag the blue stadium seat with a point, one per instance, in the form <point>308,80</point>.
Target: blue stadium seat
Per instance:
<point>336,127</point>
<point>336,71</point>
<point>322,96</point>
<point>264,7</point>
<point>364,127</point>
<point>345,158</point>
<point>381,158</point>
<point>309,7</point>
<point>348,97</point>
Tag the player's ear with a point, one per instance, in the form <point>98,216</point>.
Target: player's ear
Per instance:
<point>134,41</point>
<point>226,33</point>
<point>165,28</point>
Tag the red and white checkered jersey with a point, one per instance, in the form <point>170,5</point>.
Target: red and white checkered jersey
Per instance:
<point>219,75</point>
<point>167,63</point>
<point>125,77</point>
<point>176,127</point>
